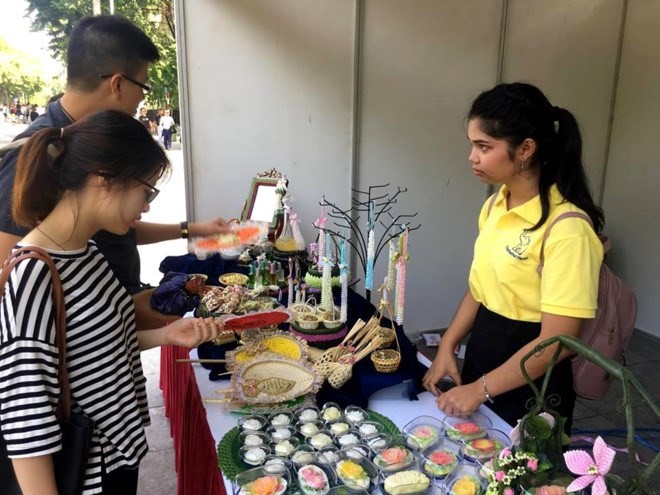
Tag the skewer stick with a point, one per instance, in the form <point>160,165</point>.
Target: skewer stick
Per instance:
<point>201,360</point>
<point>215,401</point>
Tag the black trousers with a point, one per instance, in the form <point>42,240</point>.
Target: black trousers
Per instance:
<point>122,481</point>
<point>493,340</point>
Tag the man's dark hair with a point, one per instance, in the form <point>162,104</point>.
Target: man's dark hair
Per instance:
<point>106,44</point>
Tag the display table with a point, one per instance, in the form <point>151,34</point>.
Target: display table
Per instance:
<point>197,426</point>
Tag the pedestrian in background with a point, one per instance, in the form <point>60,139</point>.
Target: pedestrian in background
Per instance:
<point>166,125</point>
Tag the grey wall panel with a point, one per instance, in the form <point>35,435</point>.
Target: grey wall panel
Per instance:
<point>631,199</point>
<point>569,50</point>
<point>270,85</point>
<point>424,62</point>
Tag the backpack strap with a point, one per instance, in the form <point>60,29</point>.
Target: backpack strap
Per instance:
<point>27,252</point>
<point>568,214</point>
<point>12,146</point>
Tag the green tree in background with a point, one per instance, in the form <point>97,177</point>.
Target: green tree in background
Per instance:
<point>154,17</point>
<point>19,76</point>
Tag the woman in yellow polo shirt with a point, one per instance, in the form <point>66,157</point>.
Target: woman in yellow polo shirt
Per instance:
<point>534,150</point>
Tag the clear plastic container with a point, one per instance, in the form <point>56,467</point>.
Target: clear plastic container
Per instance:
<point>409,481</point>
<point>328,454</point>
<point>309,428</point>
<point>338,427</point>
<point>285,447</point>
<point>358,451</point>
<point>331,411</point>
<point>466,476</point>
<point>468,426</point>
<point>378,442</point>
<point>355,415</point>
<point>484,449</point>
<point>242,484</point>
<point>253,438</point>
<point>281,433</point>
<point>370,429</point>
<point>253,422</point>
<point>425,430</point>
<point>440,459</point>
<point>275,464</point>
<point>351,437</point>
<point>308,413</point>
<point>315,477</point>
<point>322,438</point>
<point>396,456</point>
<point>253,456</point>
<point>356,473</point>
<point>304,454</point>
<point>281,419</point>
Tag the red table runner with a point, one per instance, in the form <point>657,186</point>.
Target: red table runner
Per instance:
<point>196,460</point>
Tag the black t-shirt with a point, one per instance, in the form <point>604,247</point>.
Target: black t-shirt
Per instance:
<point>145,121</point>
<point>120,250</point>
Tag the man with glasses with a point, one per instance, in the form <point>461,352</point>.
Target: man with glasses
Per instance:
<point>107,62</point>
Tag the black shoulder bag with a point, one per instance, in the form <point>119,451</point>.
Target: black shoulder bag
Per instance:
<point>70,462</point>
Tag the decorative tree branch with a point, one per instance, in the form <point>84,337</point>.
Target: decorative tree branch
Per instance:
<point>375,202</point>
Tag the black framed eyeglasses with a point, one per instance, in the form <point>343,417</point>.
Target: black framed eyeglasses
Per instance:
<point>145,87</point>
<point>152,193</point>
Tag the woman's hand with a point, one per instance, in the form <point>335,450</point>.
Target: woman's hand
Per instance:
<point>190,332</point>
<point>462,399</point>
<point>443,365</point>
<point>209,227</point>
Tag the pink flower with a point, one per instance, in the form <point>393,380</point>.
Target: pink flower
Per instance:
<point>505,452</point>
<point>499,475</point>
<point>533,465</point>
<point>591,469</point>
<point>509,491</point>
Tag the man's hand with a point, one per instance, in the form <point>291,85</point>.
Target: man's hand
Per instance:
<point>147,318</point>
<point>209,227</point>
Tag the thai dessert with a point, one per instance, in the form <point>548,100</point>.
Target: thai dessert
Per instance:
<point>280,434</point>
<point>331,413</point>
<point>280,420</point>
<point>302,457</point>
<point>252,440</point>
<point>424,435</point>
<point>393,458</point>
<point>482,448</point>
<point>355,416</point>
<point>339,428</point>
<point>368,429</point>
<point>309,429</point>
<point>320,440</point>
<point>352,474</point>
<point>284,448</point>
<point>251,424</point>
<point>312,480</point>
<point>406,482</point>
<point>254,456</point>
<point>348,439</point>
<point>465,431</point>
<point>377,442</point>
<point>265,485</point>
<point>466,485</point>
<point>440,462</point>
<point>308,415</point>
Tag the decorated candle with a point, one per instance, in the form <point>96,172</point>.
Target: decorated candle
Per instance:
<point>326,285</point>
<point>343,278</point>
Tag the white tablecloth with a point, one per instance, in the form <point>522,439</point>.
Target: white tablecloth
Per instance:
<point>391,402</point>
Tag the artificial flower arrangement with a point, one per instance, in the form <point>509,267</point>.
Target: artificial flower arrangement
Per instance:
<point>536,465</point>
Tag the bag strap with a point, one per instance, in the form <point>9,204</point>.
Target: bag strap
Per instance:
<point>568,214</point>
<point>27,252</point>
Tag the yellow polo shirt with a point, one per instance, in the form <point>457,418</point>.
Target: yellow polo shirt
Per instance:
<point>504,276</point>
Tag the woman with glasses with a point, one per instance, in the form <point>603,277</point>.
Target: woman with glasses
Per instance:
<point>98,173</point>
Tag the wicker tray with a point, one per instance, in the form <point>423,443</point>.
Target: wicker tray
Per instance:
<point>230,463</point>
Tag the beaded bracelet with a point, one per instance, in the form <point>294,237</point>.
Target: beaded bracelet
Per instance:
<point>488,397</point>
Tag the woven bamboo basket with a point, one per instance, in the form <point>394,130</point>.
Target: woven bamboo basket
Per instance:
<point>386,360</point>
<point>299,309</point>
<point>308,321</point>
<point>387,335</point>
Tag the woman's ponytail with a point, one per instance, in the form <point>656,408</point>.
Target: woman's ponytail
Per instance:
<point>570,175</point>
<point>36,186</point>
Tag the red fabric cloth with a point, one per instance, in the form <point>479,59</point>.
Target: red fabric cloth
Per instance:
<point>195,455</point>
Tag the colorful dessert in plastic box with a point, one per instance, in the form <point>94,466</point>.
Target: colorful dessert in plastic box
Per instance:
<point>482,448</point>
<point>352,474</point>
<point>405,482</point>
<point>393,458</point>
<point>312,480</point>
<point>440,462</point>
<point>265,485</point>
<point>466,485</point>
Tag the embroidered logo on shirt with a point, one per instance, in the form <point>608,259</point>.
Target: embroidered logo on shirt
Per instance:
<point>518,251</point>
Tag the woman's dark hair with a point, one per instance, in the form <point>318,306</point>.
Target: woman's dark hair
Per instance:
<point>106,44</point>
<point>110,144</point>
<point>517,111</point>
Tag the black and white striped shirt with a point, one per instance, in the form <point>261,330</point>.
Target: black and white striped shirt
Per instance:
<point>103,362</point>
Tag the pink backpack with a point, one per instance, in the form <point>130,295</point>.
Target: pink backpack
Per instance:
<point>609,332</point>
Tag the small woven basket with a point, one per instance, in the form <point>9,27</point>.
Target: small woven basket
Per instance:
<point>386,360</point>
<point>387,335</point>
<point>308,321</point>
